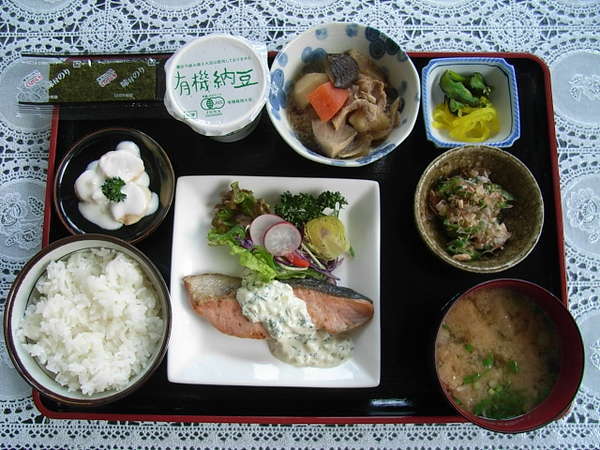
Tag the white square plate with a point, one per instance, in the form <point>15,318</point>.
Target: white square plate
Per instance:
<point>200,354</point>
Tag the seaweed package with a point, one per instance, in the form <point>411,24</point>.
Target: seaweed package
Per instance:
<point>90,79</point>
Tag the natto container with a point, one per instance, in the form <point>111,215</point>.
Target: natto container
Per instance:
<point>218,85</point>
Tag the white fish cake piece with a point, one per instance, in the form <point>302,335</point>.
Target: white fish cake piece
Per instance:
<point>128,146</point>
<point>87,184</point>
<point>122,164</point>
<point>134,206</point>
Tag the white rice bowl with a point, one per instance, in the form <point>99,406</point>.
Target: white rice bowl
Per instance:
<point>94,320</point>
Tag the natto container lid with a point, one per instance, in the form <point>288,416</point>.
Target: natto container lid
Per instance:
<point>217,84</point>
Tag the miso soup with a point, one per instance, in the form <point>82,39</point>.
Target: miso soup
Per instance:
<point>497,353</point>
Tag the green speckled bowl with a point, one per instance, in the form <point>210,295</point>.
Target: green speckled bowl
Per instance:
<point>524,220</point>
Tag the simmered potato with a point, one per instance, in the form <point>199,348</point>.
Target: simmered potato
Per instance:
<point>306,85</point>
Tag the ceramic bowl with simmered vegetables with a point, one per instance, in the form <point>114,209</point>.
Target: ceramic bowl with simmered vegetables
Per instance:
<point>343,94</point>
<point>509,356</point>
<point>479,209</point>
<point>470,100</point>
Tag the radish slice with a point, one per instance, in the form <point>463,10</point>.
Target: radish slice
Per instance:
<point>260,225</point>
<point>282,238</point>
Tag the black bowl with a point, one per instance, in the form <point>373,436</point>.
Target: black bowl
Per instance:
<point>91,147</point>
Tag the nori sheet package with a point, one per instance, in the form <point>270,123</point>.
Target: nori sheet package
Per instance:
<point>92,82</point>
<point>102,80</point>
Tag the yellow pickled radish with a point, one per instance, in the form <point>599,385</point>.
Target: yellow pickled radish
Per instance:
<point>473,125</point>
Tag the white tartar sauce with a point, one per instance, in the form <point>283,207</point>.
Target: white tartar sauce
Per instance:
<point>294,338</point>
<point>125,163</point>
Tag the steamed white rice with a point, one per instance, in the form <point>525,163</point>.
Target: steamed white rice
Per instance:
<point>96,322</point>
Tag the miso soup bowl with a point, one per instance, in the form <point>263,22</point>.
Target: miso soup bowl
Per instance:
<point>556,404</point>
<point>313,45</point>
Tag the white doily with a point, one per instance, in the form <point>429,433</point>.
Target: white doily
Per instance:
<point>564,33</point>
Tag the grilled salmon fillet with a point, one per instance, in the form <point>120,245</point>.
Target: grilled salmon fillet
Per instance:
<point>212,296</point>
<point>331,308</point>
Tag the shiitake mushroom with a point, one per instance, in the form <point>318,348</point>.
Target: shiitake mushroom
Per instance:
<point>342,70</point>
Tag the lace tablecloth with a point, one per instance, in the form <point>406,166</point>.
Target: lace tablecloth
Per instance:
<point>565,33</point>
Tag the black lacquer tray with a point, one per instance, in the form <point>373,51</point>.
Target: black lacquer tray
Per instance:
<point>415,285</point>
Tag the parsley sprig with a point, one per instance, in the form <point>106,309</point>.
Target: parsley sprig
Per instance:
<point>112,189</point>
<point>301,208</point>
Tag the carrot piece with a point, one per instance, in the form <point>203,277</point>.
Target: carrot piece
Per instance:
<point>327,100</point>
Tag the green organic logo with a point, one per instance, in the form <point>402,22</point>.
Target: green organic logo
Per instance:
<point>212,103</point>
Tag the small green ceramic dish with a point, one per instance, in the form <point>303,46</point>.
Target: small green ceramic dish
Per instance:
<point>524,220</point>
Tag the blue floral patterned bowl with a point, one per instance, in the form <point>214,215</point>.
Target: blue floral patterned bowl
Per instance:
<point>337,38</point>
<point>504,97</point>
